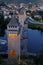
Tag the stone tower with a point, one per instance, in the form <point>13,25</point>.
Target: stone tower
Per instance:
<point>13,33</point>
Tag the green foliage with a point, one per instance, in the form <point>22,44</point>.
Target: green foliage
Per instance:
<point>28,11</point>
<point>3,24</point>
<point>35,26</point>
<point>33,13</point>
<point>37,19</point>
<point>1,60</point>
<point>6,21</point>
<point>41,13</point>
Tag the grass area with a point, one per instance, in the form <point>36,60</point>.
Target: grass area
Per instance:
<point>35,26</point>
<point>5,63</point>
<point>28,60</point>
<point>22,63</point>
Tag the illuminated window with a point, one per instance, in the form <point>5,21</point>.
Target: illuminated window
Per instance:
<point>12,35</point>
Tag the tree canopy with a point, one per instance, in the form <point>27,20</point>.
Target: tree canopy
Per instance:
<point>3,24</point>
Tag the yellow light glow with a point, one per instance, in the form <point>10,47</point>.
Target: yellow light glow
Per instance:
<point>12,35</point>
<point>12,52</point>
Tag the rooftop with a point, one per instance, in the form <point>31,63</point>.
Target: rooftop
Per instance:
<point>14,22</point>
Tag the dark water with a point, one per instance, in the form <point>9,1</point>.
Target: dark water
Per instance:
<point>23,1</point>
<point>35,40</point>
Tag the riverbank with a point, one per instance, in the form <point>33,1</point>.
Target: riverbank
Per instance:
<point>35,26</point>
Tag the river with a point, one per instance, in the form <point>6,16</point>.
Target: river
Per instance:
<point>35,40</point>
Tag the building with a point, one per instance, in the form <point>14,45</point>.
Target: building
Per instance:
<point>41,8</point>
<point>13,33</point>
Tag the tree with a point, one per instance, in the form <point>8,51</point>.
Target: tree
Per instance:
<point>41,55</point>
<point>1,60</point>
<point>3,24</point>
<point>41,13</point>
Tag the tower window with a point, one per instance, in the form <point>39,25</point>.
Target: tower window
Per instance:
<point>9,26</point>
